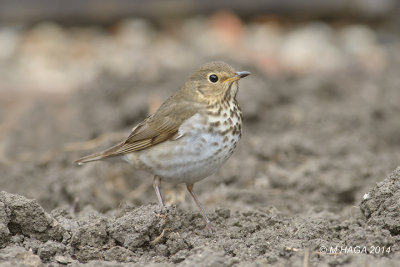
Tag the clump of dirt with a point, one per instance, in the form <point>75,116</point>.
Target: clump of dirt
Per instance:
<point>381,205</point>
<point>148,234</point>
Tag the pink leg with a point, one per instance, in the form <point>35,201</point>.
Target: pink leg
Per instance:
<point>190,189</point>
<point>156,185</point>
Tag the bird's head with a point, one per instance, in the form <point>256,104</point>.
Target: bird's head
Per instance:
<point>214,82</point>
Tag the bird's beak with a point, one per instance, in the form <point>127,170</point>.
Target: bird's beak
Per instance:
<point>239,75</point>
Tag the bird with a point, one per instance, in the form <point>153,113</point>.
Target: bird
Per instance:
<point>191,134</point>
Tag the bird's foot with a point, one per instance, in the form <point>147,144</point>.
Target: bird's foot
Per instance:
<point>163,214</point>
<point>209,227</point>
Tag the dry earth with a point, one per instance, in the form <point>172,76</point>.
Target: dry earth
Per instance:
<point>317,169</point>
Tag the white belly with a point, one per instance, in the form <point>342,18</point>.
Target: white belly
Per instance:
<point>192,157</point>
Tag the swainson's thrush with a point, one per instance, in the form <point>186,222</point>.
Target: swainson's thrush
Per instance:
<point>192,133</point>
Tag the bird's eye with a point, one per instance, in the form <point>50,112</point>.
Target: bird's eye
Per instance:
<point>213,78</point>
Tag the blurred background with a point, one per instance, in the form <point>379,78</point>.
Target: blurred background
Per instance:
<point>321,107</point>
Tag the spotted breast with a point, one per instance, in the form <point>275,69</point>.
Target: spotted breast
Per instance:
<point>204,142</point>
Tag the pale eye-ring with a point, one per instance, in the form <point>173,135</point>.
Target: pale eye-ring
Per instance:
<point>213,78</point>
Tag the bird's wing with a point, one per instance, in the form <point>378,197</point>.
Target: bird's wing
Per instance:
<point>159,127</point>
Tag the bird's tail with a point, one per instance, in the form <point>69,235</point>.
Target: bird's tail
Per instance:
<point>106,154</point>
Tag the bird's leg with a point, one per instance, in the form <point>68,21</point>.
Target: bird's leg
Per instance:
<point>164,212</point>
<point>156,185</point>
<point>190,189</point>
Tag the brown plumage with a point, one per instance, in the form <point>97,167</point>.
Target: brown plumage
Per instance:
<point>175,143</point>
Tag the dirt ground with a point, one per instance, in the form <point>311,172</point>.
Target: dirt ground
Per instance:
<point>314,181</point>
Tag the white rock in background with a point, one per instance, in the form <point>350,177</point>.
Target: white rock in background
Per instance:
<point>311,48</point>
<point>361,44</point>
<point>9,39</point>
